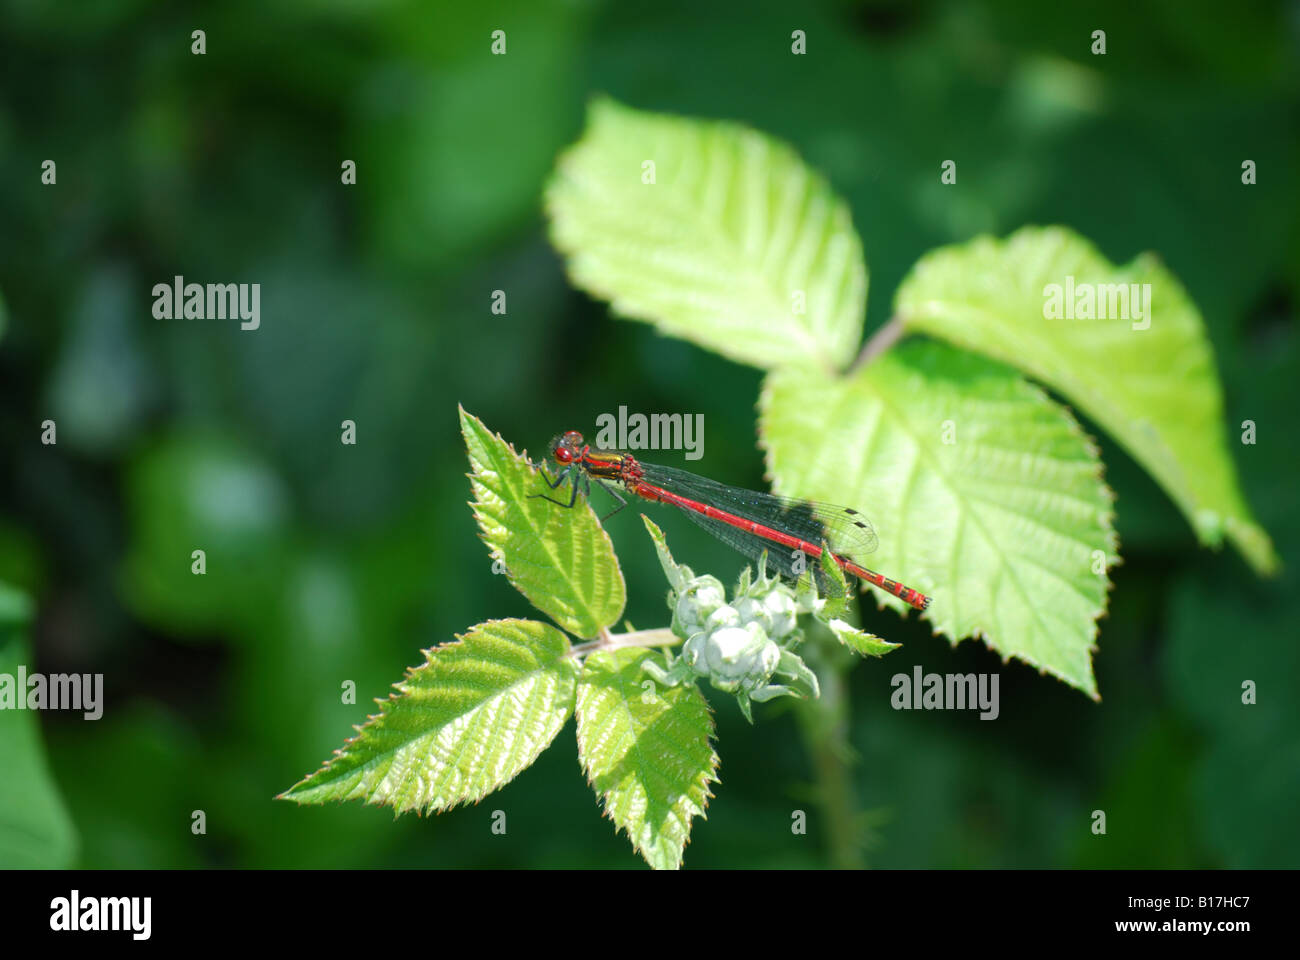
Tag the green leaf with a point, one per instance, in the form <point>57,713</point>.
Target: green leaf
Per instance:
<point>677,573</point>
<point>834,587</point>
<point>858,640</point>
<point>36,831</point>
<point>1000,526</point>
<point>1155,390</point>
<point>467,721</point>
<point>646,751</point>
<point>736,246</point>
<point>561,560</point>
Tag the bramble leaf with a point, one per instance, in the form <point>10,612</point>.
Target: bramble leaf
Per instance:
<point>646,751</point>
<point>561,560</point>
<point>1150,381</point>
<point>465,722</point>
<point>677,573</point>
<point>984,494</point>
<point>858,640</point>
<point>736,245</point>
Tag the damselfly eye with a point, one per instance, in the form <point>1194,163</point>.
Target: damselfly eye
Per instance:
<point>567,447</point>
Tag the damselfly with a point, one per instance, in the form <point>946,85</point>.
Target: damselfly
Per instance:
<point>790,530</point>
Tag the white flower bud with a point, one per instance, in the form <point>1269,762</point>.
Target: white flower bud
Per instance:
<point>697,601</point>
<point>780,615</point>
<point>724,616</point>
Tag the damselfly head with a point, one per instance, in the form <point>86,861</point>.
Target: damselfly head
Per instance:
<point>567,447</point>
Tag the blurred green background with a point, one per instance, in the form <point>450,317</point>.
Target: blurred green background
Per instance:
<point>329,563</point>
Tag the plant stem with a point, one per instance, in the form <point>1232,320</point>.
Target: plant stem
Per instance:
<point>824,723</point>
<point>878,343</point>
<point>663,637</point>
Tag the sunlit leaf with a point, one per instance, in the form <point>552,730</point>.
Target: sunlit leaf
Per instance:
<point>984,493</point>
<point>1150,382</point>
<point>561,560</point>
<point>646,751</point>
<point>465,722</point>
<point>858,640</point>
<point>736,245</point>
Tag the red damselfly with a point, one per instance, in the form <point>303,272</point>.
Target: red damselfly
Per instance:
<point>746,520</point>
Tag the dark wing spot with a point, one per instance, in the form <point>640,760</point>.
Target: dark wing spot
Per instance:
<point>850,510</point>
